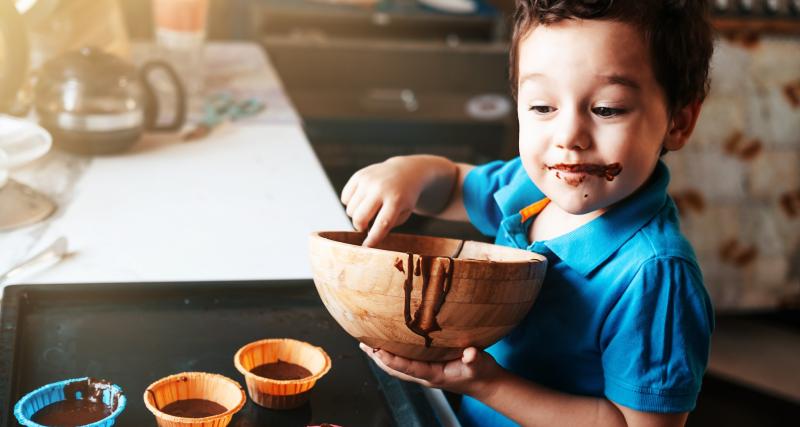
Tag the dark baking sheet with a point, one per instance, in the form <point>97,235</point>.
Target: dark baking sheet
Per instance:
<point>134,334</point>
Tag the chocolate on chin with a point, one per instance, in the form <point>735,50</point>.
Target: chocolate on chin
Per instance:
<point>281,371</point>
<point>193,408</point>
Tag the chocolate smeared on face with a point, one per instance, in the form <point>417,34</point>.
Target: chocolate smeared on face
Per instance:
<point>434,293</point>
<point>609,172</point>
<point>193,408</point>
<point>75,411</point>
<point>398,264</point>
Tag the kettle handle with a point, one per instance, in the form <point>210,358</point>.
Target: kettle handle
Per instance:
<point>15,40</point>
<point>151,107</point>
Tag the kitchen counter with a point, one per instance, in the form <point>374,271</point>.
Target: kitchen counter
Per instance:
<point>236,205</point>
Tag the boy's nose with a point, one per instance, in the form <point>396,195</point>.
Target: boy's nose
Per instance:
<point>572,133</point>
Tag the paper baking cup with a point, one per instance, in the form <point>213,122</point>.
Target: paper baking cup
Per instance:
<point>281,394</point>
<point>34,401</point>
<point>194,385</point>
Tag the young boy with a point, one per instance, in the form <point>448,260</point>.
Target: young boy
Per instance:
<point>619,334</point>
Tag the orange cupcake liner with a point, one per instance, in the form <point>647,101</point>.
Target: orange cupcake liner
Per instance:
<point>281,394</point>
<point>194,385</point>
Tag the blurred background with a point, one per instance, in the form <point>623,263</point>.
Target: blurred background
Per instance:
<point>377,78</point>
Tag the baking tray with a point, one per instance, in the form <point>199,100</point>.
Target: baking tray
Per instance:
<point>134,334</point>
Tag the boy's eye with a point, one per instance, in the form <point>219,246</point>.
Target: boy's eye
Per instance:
<point>608,111</point>
<point>541,109</point>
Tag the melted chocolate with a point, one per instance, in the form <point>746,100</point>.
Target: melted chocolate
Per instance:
<point>193,408</point>
<point>609,172</point>
<point>281,371</point>
<point>71,413</point>
<point>434,293</point>
<point>82,404</point>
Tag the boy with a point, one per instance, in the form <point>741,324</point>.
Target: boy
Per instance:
<point>619,334</point>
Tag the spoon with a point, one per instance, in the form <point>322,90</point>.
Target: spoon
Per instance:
<point>51,254</point>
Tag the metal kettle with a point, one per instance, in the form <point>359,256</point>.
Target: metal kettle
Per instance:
<point>93,102</point>
<point>13,54</point>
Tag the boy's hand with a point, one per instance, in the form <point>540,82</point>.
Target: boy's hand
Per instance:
<point>471,374</point>
<point>388,192</point>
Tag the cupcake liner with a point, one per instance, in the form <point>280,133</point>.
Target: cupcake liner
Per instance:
<point>194,385</point>
<point>51,393</point>
<point>281,394</point>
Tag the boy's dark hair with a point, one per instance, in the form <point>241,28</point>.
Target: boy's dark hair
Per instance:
<point>678,32</point>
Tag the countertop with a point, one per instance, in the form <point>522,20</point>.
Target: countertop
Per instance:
<point>236,205</point>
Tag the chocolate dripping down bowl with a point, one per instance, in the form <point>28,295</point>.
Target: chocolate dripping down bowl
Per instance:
<point>421,297</point>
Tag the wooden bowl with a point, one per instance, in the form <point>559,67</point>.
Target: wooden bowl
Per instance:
<point>424,298</point>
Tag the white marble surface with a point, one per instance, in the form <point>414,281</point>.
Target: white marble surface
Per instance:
<point>237,205</point>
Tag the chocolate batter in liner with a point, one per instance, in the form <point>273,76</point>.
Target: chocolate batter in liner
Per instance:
<point>74,411</point>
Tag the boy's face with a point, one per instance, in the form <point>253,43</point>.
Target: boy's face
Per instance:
<point>592,116</point>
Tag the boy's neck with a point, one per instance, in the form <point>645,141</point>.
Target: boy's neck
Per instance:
<point>553,222</point>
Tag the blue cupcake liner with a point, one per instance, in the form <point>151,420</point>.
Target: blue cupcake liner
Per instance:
<point>54,392</point>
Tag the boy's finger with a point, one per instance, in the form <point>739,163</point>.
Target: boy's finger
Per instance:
<point>382,225</point>
<point>470,355</point>
<point>349,189</point>
<point>354,203</point>
<point>365,212</point>
<point>401,375</point>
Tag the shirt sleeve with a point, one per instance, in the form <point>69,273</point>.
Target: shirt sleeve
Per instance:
<point>480,185</point>
<point>656,339</point>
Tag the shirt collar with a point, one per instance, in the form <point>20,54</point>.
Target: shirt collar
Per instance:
<point>585,248</point>
<point>519,193</point>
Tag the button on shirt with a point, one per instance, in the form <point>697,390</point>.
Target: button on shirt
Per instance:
<point>623,312</point>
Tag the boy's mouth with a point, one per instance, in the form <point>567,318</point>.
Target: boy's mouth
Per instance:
<point>609,172</point>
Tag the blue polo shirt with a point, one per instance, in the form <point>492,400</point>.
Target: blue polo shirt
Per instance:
<point>623,312</point>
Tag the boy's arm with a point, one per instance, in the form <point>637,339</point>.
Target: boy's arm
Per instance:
<point>532,405</point>
<point>444,198</point>
<point>477,374</point>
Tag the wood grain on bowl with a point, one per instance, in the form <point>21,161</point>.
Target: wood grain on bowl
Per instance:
<point>421,297</point>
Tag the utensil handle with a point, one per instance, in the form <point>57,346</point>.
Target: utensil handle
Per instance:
<point>152,107</point>
<point>54,252</point>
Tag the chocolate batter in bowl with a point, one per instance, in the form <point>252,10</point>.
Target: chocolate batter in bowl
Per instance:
<point>72,403</point>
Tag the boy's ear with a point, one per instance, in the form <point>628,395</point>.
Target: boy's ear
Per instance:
<point>681,126</point>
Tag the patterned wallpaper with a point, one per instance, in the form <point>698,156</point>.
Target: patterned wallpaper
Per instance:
<point>737,182</point>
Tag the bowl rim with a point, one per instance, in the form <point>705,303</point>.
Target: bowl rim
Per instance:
<point>309,379</point>
<point>122,401</point>
<point>538,258</point>
<point>163,415</point>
